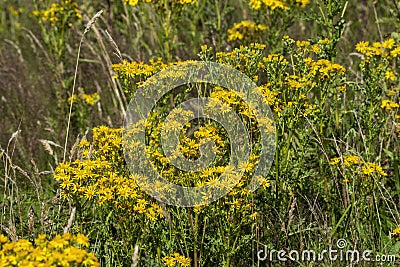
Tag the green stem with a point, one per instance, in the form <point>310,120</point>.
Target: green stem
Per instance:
<point>218,23</point>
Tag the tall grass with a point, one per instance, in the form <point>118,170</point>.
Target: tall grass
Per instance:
<point>336,170</point>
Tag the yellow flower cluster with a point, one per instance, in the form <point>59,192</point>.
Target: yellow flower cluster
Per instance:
<point>133,69</point>
<point>189,147</point>
<point>307,47</point>
<point>324,68</point>
<point>107,144</point>
<point>251,61</point>
<point>388,104</point>
<point>270,4</point>
<point>89,99</point>
<point>191,135</point>
<point>235,101</point>
<point>272,99</point>
<point>287,88</point>
<point>347,160</point>
<point>176,260</point>
<point>15,12</point>
<point>303,47</point>
<point>302,3</point>
<point>137,72</point>
<point>58,14</point>
<point>75,177</point>
<point>314,69</point>
<point>396,234</point>
<point>276,4</point>
<point>60,251</point>
<point>179,2</point>
<point>102,177</point>
<point>245,31</point>
<point>386,49</point>
<point>141,69</point>
<point>367,168</point>
<point>274,58</point>
<point>244,58</point>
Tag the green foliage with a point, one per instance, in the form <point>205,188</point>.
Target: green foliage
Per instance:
<point>332,84</point>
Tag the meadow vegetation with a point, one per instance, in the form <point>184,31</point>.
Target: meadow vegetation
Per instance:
<point>328,69</point>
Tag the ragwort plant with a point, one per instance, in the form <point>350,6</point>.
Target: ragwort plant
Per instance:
<point>294,97</point>
<point>148,223</point>
<point>350,191</point>
<point>310,97</point>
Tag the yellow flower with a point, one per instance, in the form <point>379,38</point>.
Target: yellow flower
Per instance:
<point>270,4</point>
<point>245,30</point>
<point>81,174</point>
<point>185,262</point>
<point>302,43</point>
<point>59,14</point>
<point>124,191</point>
<point>91,99</point>
<point>90,192</point>
<point>303,2</point>
<point>316,49</point>
<point>82,240</point>
<point>131,2</point>
<point>362,46</point>
<point>60,251</point>
<point>388,104</point>
<point>140,209</point>
<point>3,239</point>
<point>169,261</point>
<point>141,202</point>
<point>255,4</point>
<point>351,160</point>
<point>396,234</point>
<point>388,43</point>
<point>348,160</point>
<point>176,260</point>
<point>66,184</point>
<point>234,35</point>
<point>254,215</point>
<point>84,143</point>
<point>323,41</point>
<point>13,11</point>
<point>389,75</point>
<point>197,209</point>
<point>266,183</point>
<point>370,168</point>
<point>151,214</point>
<point>395,52</point>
